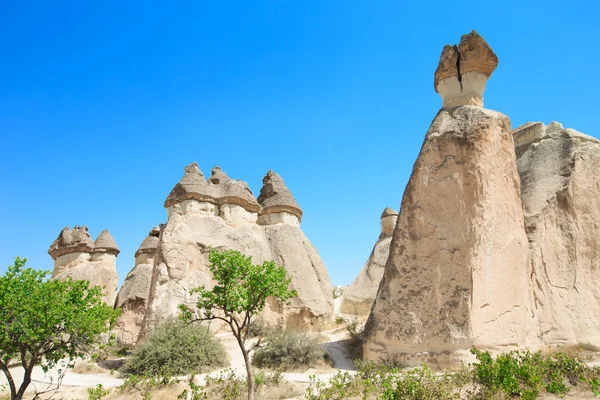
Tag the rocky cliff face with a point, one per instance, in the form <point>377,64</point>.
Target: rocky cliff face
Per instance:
<point>78,257</point>
<point>222,213</point>
<point>359,296</point>
<point>560,188</point>
<point>458,272</point>
<point>133,296</point>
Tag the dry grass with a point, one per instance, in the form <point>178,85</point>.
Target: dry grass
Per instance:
<point>83,367</point>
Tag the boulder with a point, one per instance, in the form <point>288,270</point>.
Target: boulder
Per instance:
<point>458,272</point>
<point>359,296</point>
<point>78,257</point>
<point>560,190</point>
<point>133,296</point>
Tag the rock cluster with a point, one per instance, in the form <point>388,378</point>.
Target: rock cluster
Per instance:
<point>359,296</point>
<point>78,257</point>
<point>222,213</point>
<point>497,242</point>
<point>463,71</point>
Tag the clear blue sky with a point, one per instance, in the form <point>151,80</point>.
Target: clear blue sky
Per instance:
<point>102,104</point>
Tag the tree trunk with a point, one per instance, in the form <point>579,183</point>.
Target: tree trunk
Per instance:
<point>24,385</point>
<point>9,378</point>
<point>248,371</point>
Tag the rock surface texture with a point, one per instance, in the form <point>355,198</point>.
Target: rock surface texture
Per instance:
<point>463,71</point>
<point>78,257</point>
<point>133,296</point>
<point>358,297</point>
<point>560,187</point>
<point>458,273</point>
<point>222,213</point>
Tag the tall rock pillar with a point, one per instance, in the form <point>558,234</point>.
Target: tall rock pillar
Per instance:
<point>457,275</point>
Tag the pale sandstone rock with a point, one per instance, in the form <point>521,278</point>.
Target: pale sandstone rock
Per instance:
<point>275,197</point>
<point>560,189</point>
<point>199,222</point>
<point>359,296</point>
<point>133,296</point>
<point>76,256</point>
<point>458,273</point>
<point>463,71</point>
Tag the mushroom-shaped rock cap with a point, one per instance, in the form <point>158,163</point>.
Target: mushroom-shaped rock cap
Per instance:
<point>150,243</point>
<point>231,191</point>
<point>105,243</point>
<point>191,186</point>
<point>71,241</point>
<point>389,212</point>
<point>276,197</point>
<point>463,70</point>
<point>219,189</point>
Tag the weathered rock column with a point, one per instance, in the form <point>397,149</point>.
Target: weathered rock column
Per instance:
<point>560,188</point>
<point>360,295</point>
<point>457,275</point>
<point>133,296</point>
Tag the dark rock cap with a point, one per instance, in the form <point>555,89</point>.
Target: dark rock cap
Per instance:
<point>388,212</point>
<point>150,243</point>
<point>473,53</point>
<point>276,197</point>
<point>105,243</point>
<point>71,241</point>
<point>220,189</point>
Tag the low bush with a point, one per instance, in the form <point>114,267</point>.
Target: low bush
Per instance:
<point>97,393</point>
<point>230,386</point>
<point>258,329</point>
<point>175,348</point>
<point>287,349</point>
<point>516,374</point>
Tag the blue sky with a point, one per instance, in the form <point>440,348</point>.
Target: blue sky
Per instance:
<point>102,104</point>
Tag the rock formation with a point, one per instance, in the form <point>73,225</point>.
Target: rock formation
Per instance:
<point>560,189</point>
<point>133,296</point>
<point>222,213</point>
<point>358,297</point>
<point>458,272</point>
<point>78,257</point>
<point>463,71</point>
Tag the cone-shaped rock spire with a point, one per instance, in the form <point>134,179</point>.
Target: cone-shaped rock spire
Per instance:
<point>105,243</point>
<point>276,197</point>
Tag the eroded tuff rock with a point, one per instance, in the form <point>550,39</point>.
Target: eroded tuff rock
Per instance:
<point>458,273</point>
<point>216,214</point>
<point>77,256</point>
<point>463,71</point>
<point>358,297</point>
<point>560,189</point>
<point>133,296</point>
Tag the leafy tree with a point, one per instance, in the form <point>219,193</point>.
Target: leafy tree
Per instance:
<point>45,321</point>
<point>240,293</point>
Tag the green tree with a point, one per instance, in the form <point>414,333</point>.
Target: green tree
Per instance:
<point>45,321</point>
<point>240,293</point>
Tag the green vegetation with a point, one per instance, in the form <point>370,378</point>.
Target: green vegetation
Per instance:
<point>229,386</point>
<point>175,348</point>
<point>516,374</point>
<point>44,321</point>
<point>240,293</point>
<point>98,392</point>
<point>287,349</point>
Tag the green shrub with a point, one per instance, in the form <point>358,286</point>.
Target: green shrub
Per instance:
<point>258,329</point>
<point>288,350</point>
<point>97,393</point>
<point>175,348</point>
<point>527,374</point>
